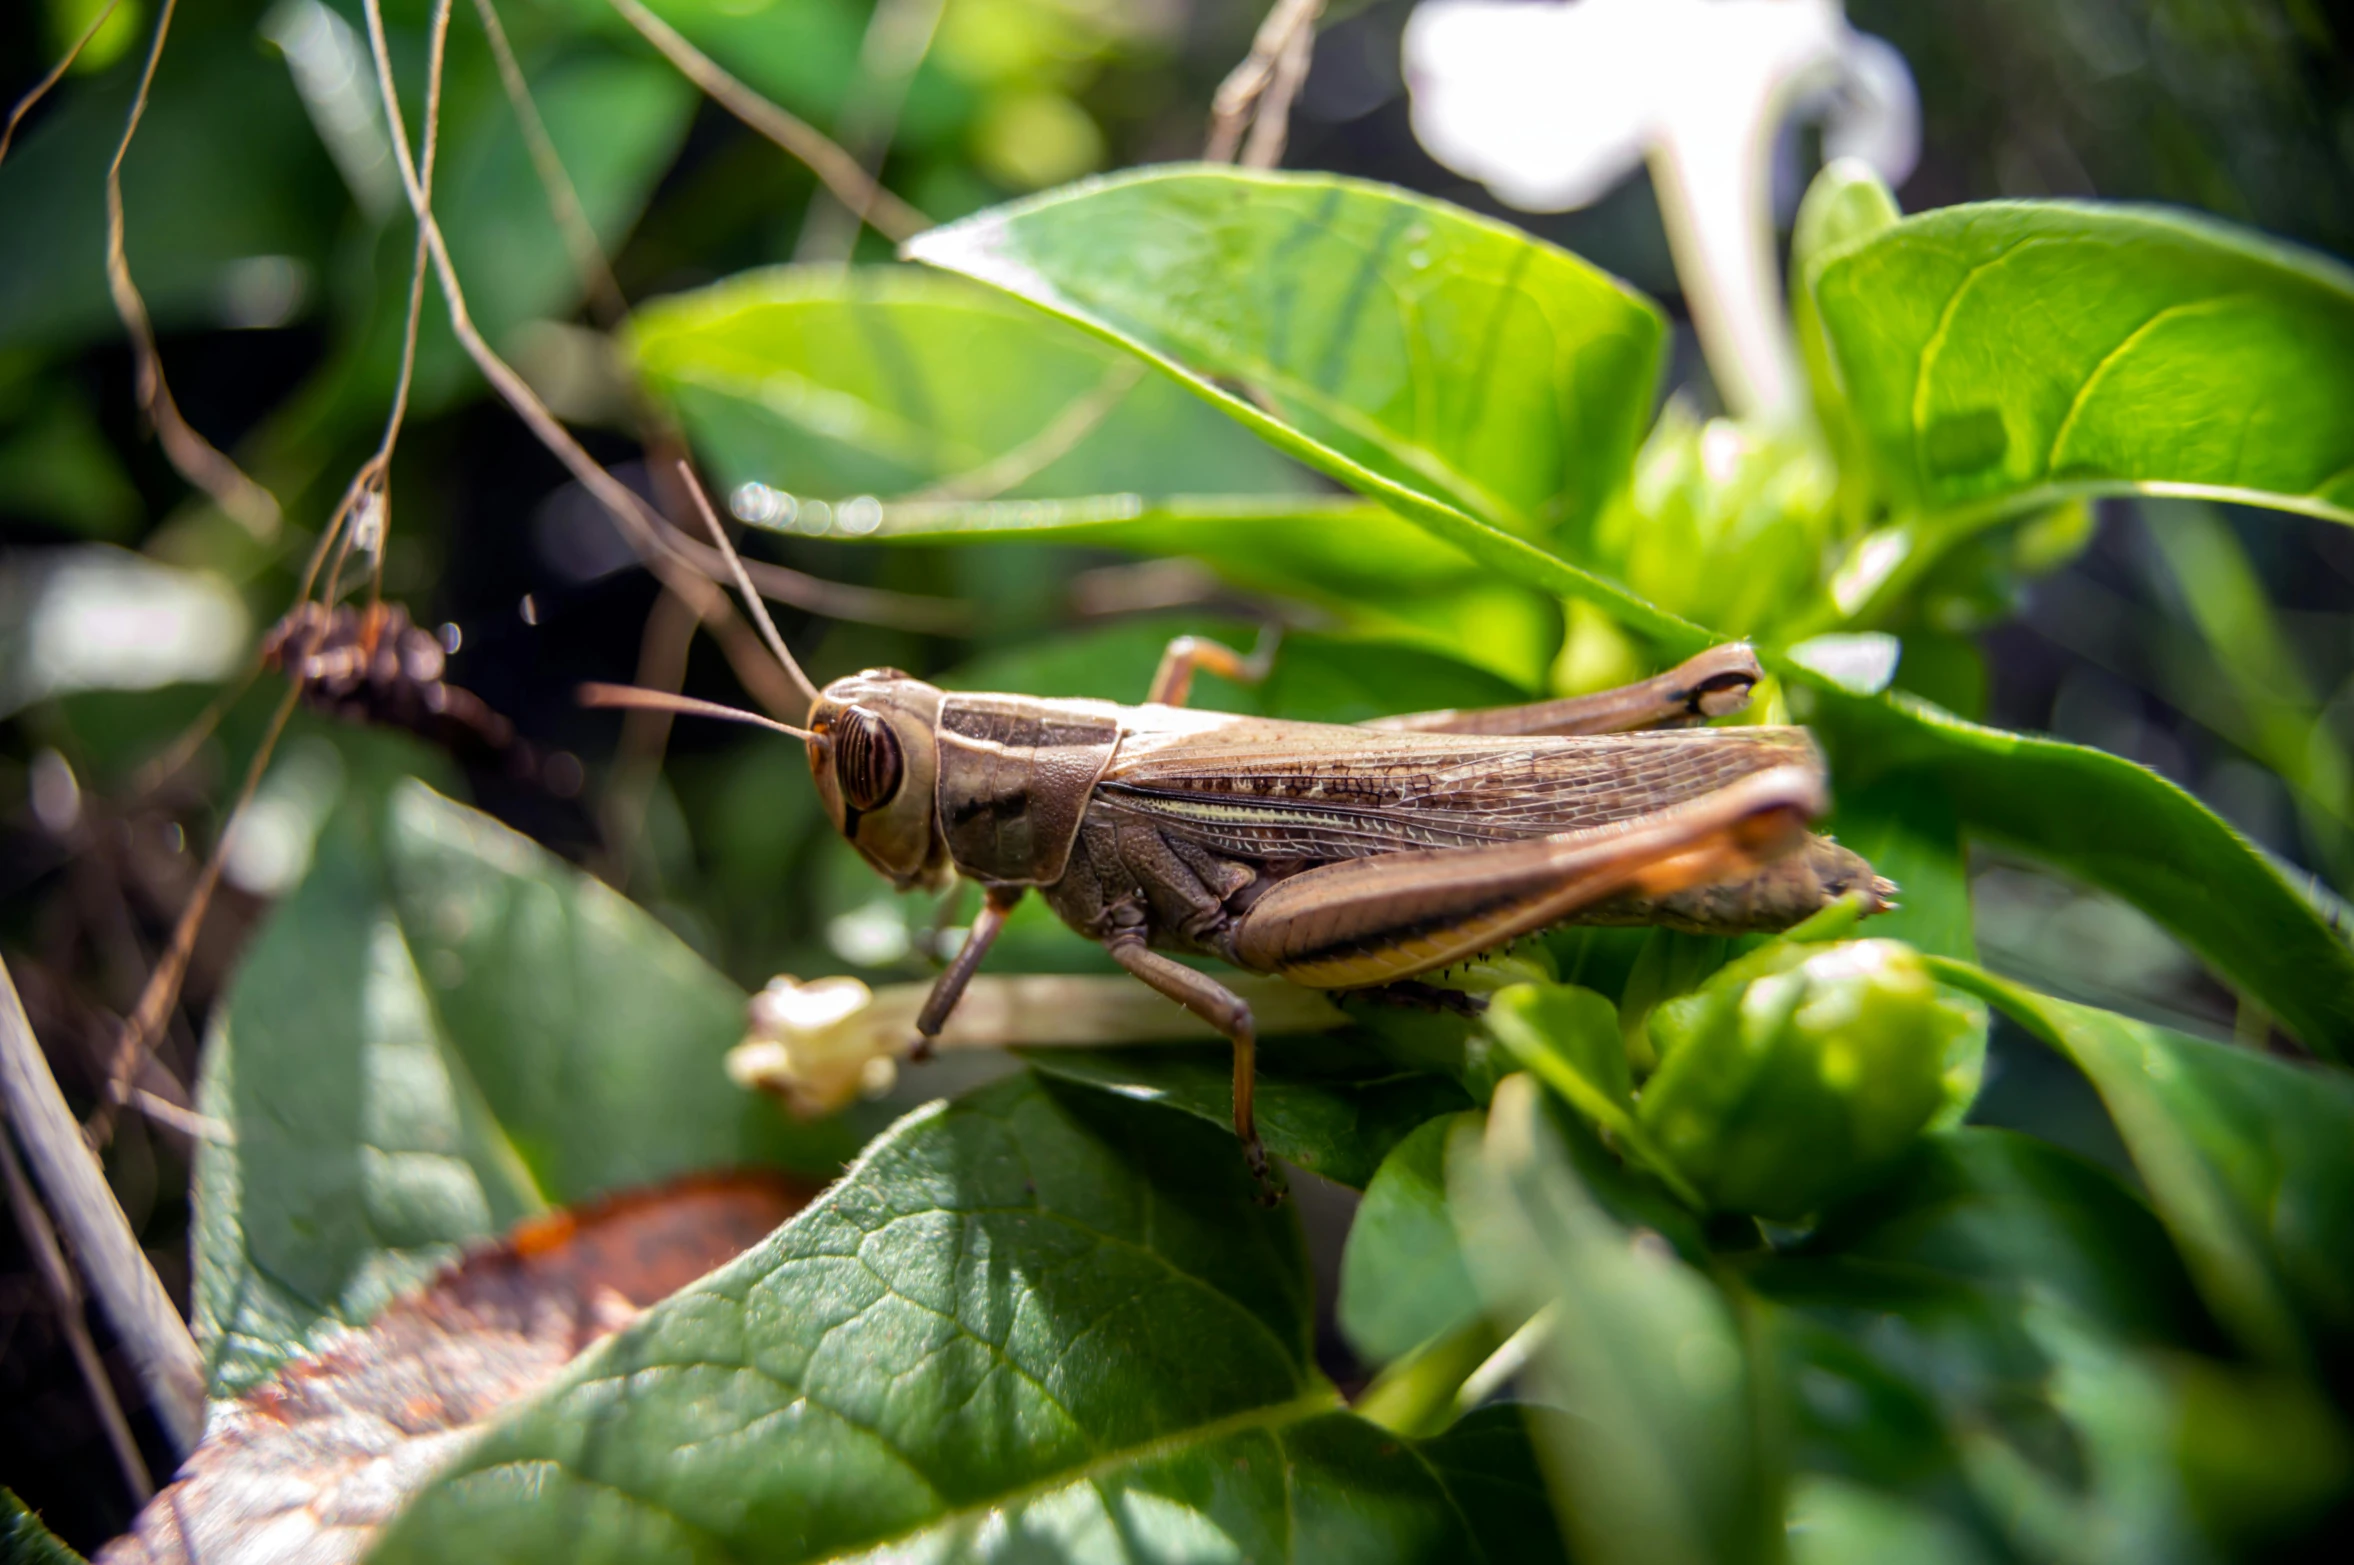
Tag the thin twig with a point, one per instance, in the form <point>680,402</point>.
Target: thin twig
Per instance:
<point>371,487</point>
<point>840,173</point>
<point>1258,93</point>
<point>196,458</point>
<point>898,36</point>
<point>163,768</point>
<point>150,1330</point>
<point>580,236</point>
<point>1078,419</point>
<point>25,104</point>
<point>65,1299</point>
<point>671,557</point>
<point>163,983</point>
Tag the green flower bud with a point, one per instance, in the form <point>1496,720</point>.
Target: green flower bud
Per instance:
<point>1796,1071</point>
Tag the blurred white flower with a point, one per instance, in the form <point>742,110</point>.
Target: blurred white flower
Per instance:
<point>101,618</point>
<point>1551,105</point>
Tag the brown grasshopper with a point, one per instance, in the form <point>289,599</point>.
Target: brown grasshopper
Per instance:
<point>1338,857</point>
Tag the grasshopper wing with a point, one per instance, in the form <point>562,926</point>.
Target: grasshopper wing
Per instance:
<point>1306,792</point>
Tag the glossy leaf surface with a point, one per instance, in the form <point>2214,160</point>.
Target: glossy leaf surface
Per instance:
<point>443,1030</point>
<point>1453,355</point>
<point>1037,1323</point>
<point>2127,830</point>
<point>1330,1104</point>
<point>1434,408</point>
<point>887,380</point>
<point>2010,352</point>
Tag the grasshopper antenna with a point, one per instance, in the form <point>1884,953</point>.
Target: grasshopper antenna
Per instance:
<point>637,698</point>
<point>752,599</point>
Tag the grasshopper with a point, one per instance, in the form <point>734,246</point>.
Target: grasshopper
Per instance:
<point>1338,857</point>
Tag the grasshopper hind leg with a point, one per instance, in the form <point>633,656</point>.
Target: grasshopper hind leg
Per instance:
<point>1214,1003</point>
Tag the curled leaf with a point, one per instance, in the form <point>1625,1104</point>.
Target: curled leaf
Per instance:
<point>306,1469</point>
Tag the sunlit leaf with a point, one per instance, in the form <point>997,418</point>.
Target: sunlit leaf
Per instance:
<point>2010,353</point>
<point>1305,288</point>
<point>888,380</point>
<point>1039,1322</point>
<point>443,1030</point>
<point>2124,829</point>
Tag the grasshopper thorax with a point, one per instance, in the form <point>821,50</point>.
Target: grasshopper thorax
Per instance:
<point>877,765</point>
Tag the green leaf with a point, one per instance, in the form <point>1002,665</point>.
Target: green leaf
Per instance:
<point>2011,1214</point>
<point>1316,678</point>
<point>1402,1275</point>
<point>2007,354</point>
<point>884,380</point>
<point>2249,1160</point>
<point>1921,1330</point>
<point>1036,1323</point>
<point>2125,829</point>
<point>1833,1522</point>
<point>1846,204</point>
<point>1304,288</point>
<point>443,1029</point>
<point>1330,1103</point>
<point>1455,356</point>
<point>24,1540</point>
<point>1658,1458</point>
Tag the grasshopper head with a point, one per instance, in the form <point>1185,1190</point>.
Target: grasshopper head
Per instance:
<point>877,771</point>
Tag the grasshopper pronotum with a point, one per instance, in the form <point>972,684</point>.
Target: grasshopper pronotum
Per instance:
<point>1338,857</point>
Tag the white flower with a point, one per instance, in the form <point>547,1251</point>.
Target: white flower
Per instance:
<point>1551,105</point>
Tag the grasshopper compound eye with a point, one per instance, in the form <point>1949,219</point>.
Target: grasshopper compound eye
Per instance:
<point>867,763</point>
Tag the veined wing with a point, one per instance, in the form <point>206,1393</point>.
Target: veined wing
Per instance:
<point>1270,791</point>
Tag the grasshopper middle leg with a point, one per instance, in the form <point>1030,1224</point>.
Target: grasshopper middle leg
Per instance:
<point>1214,1003</point>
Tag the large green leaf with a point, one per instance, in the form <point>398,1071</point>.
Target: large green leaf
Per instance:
<point>1402,1278</point>
<point>2249,1160</point>
<point>1453,355</point>
<point>1498,386</point>
<point>884,380</point>
<point>1038,1323</point>
<point>1658,1459</point>
<point>2008,354</point>
<point>2121,827</point>
<point>1317,679</point>
<point>444,1029</point>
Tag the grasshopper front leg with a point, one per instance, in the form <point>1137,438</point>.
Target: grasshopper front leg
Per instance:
<point>948,988</point>
<point>1360,923</point>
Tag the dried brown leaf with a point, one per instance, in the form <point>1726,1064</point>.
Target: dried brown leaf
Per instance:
<point>305,1470</point>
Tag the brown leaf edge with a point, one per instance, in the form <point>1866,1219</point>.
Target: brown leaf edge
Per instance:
<point>307,1469</point>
